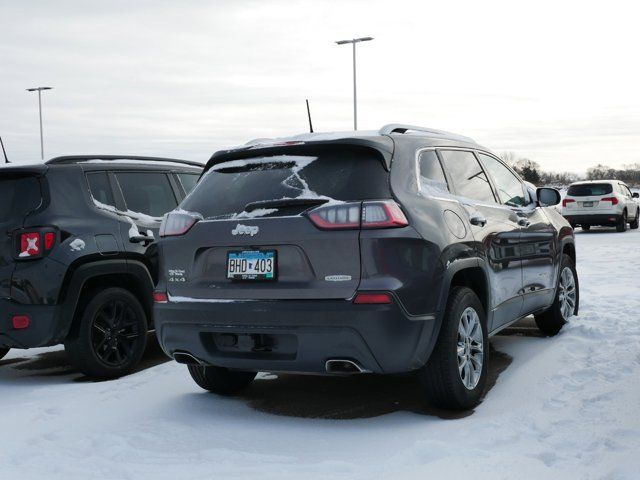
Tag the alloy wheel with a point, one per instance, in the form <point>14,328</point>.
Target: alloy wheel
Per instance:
<point>568,293</point>
<point>470,348</point>
<point>114,332</point>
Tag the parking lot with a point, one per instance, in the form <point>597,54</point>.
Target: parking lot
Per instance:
<point>563,407</point>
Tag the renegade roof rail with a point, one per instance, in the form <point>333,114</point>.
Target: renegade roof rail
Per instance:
<point>431,132</point>
<point>87,158</point>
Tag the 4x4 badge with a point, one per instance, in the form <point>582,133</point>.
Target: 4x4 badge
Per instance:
<point>245,230</point>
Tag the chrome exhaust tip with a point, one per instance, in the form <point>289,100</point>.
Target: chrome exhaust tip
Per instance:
<point>186,358</point>
<point>339,366</point>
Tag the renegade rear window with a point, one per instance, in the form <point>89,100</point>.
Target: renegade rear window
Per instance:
<point>19,195</point>
<point>590,189</point>
<point>326,173</point>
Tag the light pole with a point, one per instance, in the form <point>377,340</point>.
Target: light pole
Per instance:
<point>355,94</point>
<point>39,90</point>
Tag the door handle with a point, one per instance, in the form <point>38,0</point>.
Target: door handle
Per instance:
<point>143,239</point>
<point>523,222</point>
<point>477,220</point>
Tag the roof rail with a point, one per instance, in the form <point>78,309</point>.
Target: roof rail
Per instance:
<point>67,159</point>
<point>431,132</point>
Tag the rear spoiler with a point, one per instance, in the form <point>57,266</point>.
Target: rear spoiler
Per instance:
<point>382,145</point>
<point>22,169</point>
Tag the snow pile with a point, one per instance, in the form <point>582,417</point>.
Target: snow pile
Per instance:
<point>566,407</point>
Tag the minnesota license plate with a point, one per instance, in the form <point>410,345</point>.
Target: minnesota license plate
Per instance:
<point>251,265</point>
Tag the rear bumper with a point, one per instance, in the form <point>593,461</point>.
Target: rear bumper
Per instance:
<point>296,335</point>
<point>593,219</point>
<point>42,329</point>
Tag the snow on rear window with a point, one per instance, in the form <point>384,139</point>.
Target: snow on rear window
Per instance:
<point>334,174</point>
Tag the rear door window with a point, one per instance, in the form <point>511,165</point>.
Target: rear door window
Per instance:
<point>590,189</point>
<point>510,188</point>
<point>329,172</point>
<point>149,193</point>
<point>469,179</point>
<point>100,188</point>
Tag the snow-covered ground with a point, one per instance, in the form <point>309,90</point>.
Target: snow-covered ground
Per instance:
<point>567,407</point>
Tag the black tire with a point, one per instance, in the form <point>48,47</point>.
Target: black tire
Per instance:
<point>586,228</point>
<point>621,226</point>
<point>111,334</point>
<point>3,352</point>
<point>552,320</point>
<point>636,221</point>
<point>221,380</point>
<point>441,378</point>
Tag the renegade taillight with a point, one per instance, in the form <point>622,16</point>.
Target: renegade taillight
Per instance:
<point>567,200</point>
<point>355,215</point>
<point>613,200</point>
<point>34,243</point>
<point>177,223</point>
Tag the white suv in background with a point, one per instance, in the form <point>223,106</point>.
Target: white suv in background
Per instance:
<point>601,202</point>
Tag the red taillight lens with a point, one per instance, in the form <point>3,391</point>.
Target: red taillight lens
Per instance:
<point>363,298</point>
<point>20,322</point>
<point>177,223</point>
<point>613,200</point>
<point>160,297</point>
<point>567,200</point>
<point>382,215</point>
<point>30,244</point>
<point>354,215</point>
<point>49,240</point>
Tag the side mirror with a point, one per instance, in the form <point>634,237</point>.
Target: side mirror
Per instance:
<point>635,195</point>
<point>548,196</point>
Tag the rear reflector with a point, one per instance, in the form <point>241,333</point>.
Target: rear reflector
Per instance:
<point>49,240</point>
<point>567,200</point>
<point>160,297</point>
<point>613,200</point>
<point>372,298</point>
<point>20,322</point>
<point>356,215</point>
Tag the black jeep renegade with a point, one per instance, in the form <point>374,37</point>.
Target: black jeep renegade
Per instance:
<point>78,254</point>
<point>391,251</point>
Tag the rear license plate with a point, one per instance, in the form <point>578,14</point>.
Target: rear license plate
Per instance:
<point>587,204</point>
<point>251,265</point>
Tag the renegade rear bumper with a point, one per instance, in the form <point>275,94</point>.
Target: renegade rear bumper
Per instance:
<point>295,335</point>
<point>40,332</point>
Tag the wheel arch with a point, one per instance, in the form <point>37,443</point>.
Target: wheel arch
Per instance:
<point>128,274</point>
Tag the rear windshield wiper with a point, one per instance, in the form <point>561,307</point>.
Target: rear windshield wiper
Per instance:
<point>284,202</point>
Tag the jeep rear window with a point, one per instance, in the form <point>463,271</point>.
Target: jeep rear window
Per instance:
<point>19,195</point>
<point>328,173</point>
<point>590,189</point>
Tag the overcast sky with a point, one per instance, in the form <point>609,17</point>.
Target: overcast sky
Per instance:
<point>557,82</point>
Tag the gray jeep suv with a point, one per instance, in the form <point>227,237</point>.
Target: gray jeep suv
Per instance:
<point>391,251</point>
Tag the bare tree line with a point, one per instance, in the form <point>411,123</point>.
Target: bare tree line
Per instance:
<point>532,172</point>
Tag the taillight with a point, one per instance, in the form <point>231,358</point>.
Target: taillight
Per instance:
<point>567,200</point>
<point>343,216</point>
<point>382,215</point>
<point>367,298</point>
<point>35,243</point>
<point>20,322</point>
<point>177,223</point>
<point>613,200</point>
<point>355,215</point>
